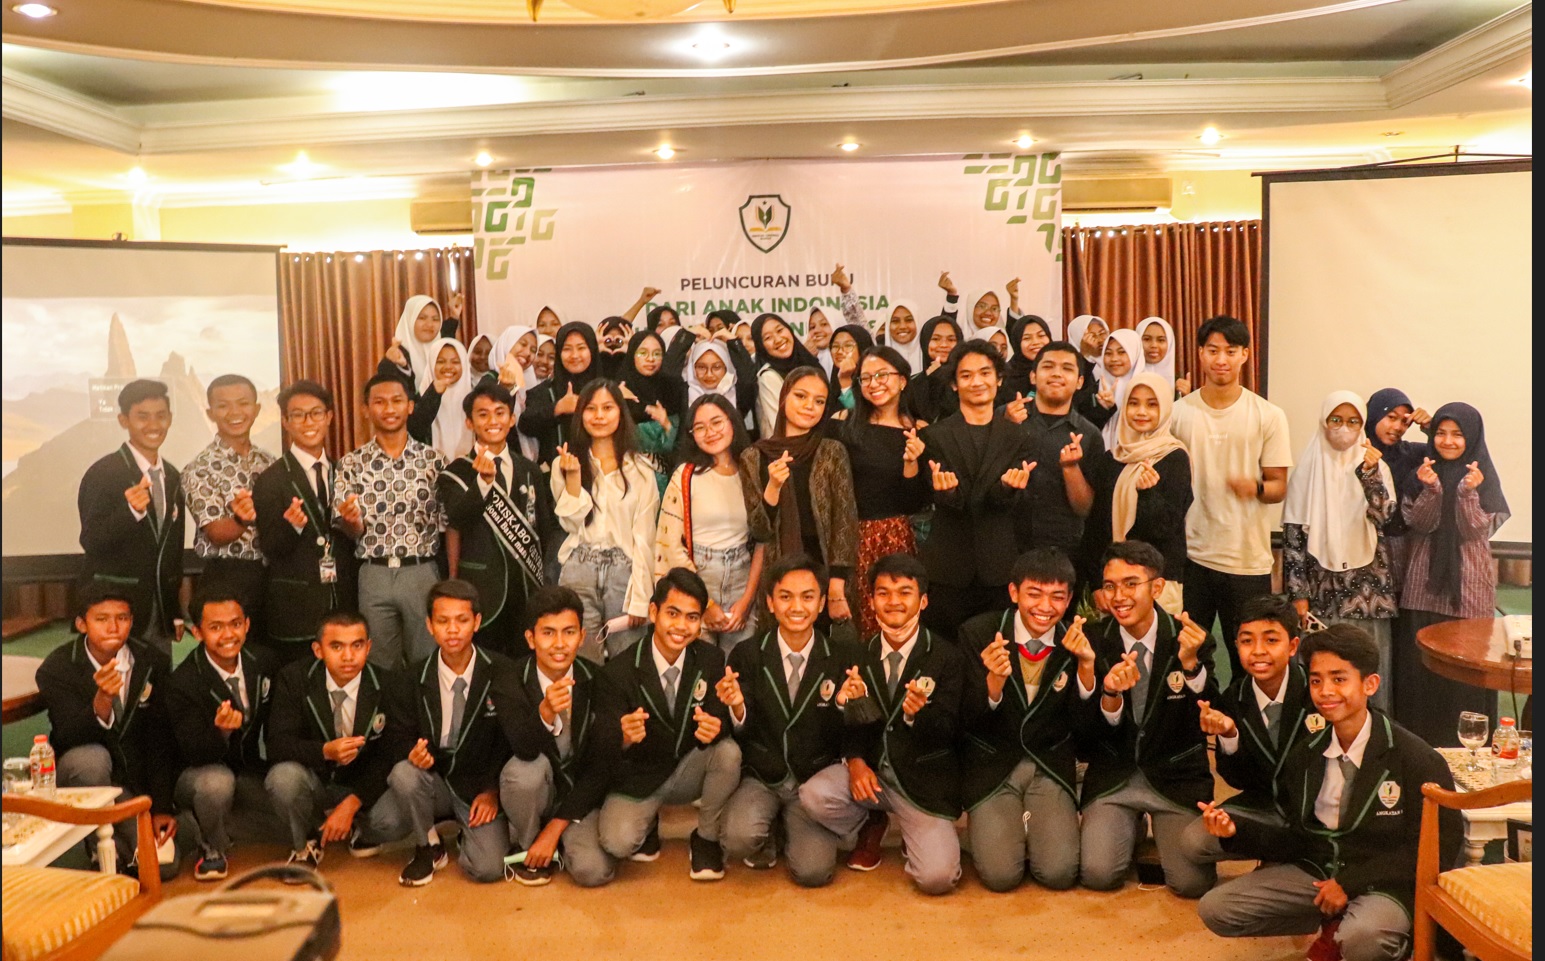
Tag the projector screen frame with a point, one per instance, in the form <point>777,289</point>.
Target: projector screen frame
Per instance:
<point>42,568</point>
<point>1502,550</point>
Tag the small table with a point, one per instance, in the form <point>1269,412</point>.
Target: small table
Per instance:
<point>19,685</point>
<point>1482,824</point>
<point>46,841</point>
<point>1474,652</point>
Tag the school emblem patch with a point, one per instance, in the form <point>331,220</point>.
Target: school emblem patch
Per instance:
<point>699,690</point>
<point>263,690</point>
<point>1061,681</point>
<point>925,686</point>
<point>1389,794</point>
<point>378,723</point>
<point>489,708</point>
<point>1176,681</point>
<point>144,694</point>
<point>1315,723</point>
<point>828,688</point>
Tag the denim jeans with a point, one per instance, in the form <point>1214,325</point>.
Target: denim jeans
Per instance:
<point>726,573</point>
<point>600,578</point>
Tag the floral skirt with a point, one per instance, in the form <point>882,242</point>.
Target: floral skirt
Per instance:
<point>889,535</point>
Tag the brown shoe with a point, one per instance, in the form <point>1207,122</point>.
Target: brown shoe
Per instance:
<point>865,855</point>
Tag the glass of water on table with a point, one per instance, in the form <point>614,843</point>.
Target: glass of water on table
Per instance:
<point>18,781</point>
<point>1474,729</point>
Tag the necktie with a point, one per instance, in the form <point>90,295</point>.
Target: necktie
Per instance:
<point>1140,692</point>
<point>892,671</point>
<point>458,710</point>
<point>237,700</point>
<point>796,661</point>
<point>157,496</point>
<point>321,484</point>
<point>671,673</point>
<point>564,737</point>
<point>118,699</point>
<point>1348,773</point>
<point>499,479</point>
<point>1273,713</point>
<point>340,698</point>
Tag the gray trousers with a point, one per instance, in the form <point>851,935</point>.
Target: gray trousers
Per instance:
<point>394,604</point>
<point>933,847</point>
<point>1278,900</point>
<point>811,849</point>
<point>1201,848</point>
<point>91,765</point>
<point>1029,817</point>
<point>527,794</point>
<point>213,792</point>
<point>428,799</point>
<point>709,773</point>
<point>1110,836</point>
<point>600,578</point>
<point>302,799</point>
<point>726,574</point>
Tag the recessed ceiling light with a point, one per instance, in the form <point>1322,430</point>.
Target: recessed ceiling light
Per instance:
<point>138,177</point>
<point>301,167</point>
<point>665,152</point>
<point>711,45</point>
<point>483,158</point>
<point>849,146</point>
<point>37,11</point>
<point>1210,136</point>
<point>1024,142</point>
<point>1526,81</point>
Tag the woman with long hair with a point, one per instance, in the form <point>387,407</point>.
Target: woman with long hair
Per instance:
<point>778,352</point>
<point>655,401</point>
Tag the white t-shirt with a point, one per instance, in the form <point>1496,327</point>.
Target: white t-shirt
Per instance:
<point>718,511</point>
<point>1226,532</point>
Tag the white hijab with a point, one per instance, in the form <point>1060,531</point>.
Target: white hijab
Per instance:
<point>1166,367</point>
<point>470,347</point>
<point>528,445</point>
<point>913,352</point>
<point>450,435</point>
<point>506,343</point>
<point>986,334</point>
<point>1134,347</point>
<point>726,385</point>
<point>418,353</point>
<point>1076,328</point>
<point>965,312</point>
<point>1325,496</point>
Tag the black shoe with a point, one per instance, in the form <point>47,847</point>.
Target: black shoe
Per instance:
<point>764,859</point>
<point>534,877</point>
<point>650,849</point>
<point>707,858</point>
<point>210,867</point>
<point>360,848</point>
<point>309,856</point>
<point>427,859</point>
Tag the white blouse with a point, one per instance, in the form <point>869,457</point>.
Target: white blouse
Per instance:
<point>624,520</point>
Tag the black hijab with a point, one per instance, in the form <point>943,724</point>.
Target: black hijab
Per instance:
<point>659,387</point>
<point>1403,456</point>
<point>730,318</point>
<point>561,378</point>
<point>1019,365</point>
<point>801,357</point>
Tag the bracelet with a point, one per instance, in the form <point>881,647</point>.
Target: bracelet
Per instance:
<point>1260,488</point>
<point>1108,693</point>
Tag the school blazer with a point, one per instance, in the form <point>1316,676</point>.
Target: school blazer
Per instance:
<point>478,751</point>
<point>1376,851</point>
<point>297,598</point>
<point>1040,731</point>
<point>629,681</point>
<point>194,693</point>
<point>140,739</point>
<point>300,721</point>
<point>782,736</point>
<point>541,424</point>
<point>1256,764</point>
<point>1169,746</point>
<point>922,753</point>
<point>139,557</point>
<point>501,584</point>
<point>581,779</point>
<point>972,538</point>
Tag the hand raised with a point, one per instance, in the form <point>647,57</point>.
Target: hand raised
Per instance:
<point>728,690</point>
<point>995,657</point>
<point>943,480</point>
<point>1124,675</point>
<point>1214,721</point>
<point>1147,477</point>
<point>633,727</point>
<point>947,285</point>
<point>227,718</point>
<point>649,293</point>
<point>568,463</point>
<point>483,463</point>
<point>421,757</point>
<point>1420,417</point>
<point>1106,395</point>
<point>1473,477</point>
<point>708,726</point>
<point>840,278</point>
<point>1018,477</point>
<point>779,470</point>
<point>914,447</point>
<point>1018,409</point>
<point>1426,474</point>
<point>1076,642</point>
<point>243,508</point>
<point>559,696</point>
<point>296,513</point>
<point>1192,637</point>
<point>568,402</point>
<point>138,496</point>
<point>1216,820</point>
<point>1073,451</point>
<point>853,687</point>
<point>1371,455</point>
<point>395,354</point>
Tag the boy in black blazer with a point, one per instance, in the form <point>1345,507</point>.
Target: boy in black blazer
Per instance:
<point>1029,679</point>
<point>106,703</point>
<point>1352,795</point>
<point>781,693</point>
<point>901,714</point>
<point>132,519</point>
<point>552,789</point>
<point>218,699</point>
<point>659,698</point>
<point>453,769</point>
<point>1147,753</point>
<point>311,565</point>
<point>336,726</point>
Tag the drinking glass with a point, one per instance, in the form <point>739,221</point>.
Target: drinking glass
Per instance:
<point>1473,730</point>
<point>1526,755</point>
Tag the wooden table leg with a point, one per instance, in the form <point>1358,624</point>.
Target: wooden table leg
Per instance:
<point>107,850</point>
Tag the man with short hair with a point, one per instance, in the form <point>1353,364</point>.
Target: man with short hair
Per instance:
<point>219,483</point>
<point>385,501</point>
<point>1059,497</point>
<point>1240,457</point>
<point>131,516</point>
<point>1352,792</point>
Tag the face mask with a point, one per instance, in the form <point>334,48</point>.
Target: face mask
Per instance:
<point>1342,438</point>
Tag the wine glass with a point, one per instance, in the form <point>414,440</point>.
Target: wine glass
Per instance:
<point>1473,730</point>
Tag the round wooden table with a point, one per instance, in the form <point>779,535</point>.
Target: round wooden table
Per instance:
<point>19,686</point>
<point>1474,652</point>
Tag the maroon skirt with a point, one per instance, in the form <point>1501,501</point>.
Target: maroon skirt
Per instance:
<point>888,535</point>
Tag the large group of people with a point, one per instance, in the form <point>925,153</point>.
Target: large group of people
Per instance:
<point>818,584</point>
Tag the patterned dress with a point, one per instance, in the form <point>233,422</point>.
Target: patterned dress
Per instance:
<point>1363,593</point>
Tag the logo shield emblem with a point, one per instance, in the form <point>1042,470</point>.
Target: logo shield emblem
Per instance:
<point>764,219</point>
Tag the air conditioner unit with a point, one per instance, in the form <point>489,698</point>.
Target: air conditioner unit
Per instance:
<point>441,216</point>
<point>1117,194</point>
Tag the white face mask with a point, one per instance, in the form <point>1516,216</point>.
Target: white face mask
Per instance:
<point>1342,438</point>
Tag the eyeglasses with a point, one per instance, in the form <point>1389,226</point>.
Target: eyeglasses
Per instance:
<point>879,377</point>
<point>1125,588</point>
<point>649,355</point>
<point>315,416</point>
<point>711,427</point>
<point>1334,421</point>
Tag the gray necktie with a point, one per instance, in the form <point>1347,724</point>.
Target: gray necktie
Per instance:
<point>340,698</point>
<point>157,497</point>
<point>238,702</point>
<point>1140,691</point>
<point>1273,713</point>
<point>671,673</point>
<point>565,737</point>
<point>458,710</point>
<point>892,671</point>
<point>796,661</point>
<point>1348,774</point>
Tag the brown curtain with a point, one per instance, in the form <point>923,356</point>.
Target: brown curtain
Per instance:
<point>338,312</point>
<point>1185,273</point>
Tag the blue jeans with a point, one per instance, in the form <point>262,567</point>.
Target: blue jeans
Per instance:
<point>726,574</point>
<point>600,578</point>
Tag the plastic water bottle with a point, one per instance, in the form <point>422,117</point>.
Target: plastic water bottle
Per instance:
<point>1504,746</point>
<point>43,777</point>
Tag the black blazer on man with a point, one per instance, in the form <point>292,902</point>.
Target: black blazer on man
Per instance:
<point>1168,746</point>
<point>922,753</point>
<point>1041,731</point>
<point>194,694</point>
<point>581,778</point>
<point>298,600</point>
<point>139,557</point>
<point>1375,852</point>
<point>629,681</point>
<point>478,751</point>
<point>972,538</point>
<point>782,736</point>
<point>140,739</point>
<point>300,721</point>
<point>1254,766</point>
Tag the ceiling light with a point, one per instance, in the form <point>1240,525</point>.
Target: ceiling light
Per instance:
<point>37,11</point>
<point>709,44</point>
<point>665,152</point>
<point>1024,142</point>
<point>301,168</point>
<point>1210,136</point>
<point>1526,81</point>
<point>138,177</point>
<point>483,158</point>
<point>848,147</point>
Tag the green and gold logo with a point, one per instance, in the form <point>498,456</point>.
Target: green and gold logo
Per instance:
<point>764,219</point>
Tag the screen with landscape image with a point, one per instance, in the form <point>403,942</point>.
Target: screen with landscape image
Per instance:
<point>79,322</point>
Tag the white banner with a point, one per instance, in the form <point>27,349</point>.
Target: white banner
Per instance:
<point>763,237</point>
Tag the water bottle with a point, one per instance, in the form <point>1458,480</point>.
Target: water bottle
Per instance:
<point>1504,746</point>
<point>43,777</point>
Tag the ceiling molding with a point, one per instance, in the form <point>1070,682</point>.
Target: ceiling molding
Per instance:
<point>15,204</point>
<point>1463,58</point>
<point>62,111</point>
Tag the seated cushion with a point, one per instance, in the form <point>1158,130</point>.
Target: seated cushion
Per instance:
<point>46,908</point>
<point>1501,896</point>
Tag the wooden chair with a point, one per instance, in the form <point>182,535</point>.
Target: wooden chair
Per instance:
<point>1488,907</point>
<point>57,914</point>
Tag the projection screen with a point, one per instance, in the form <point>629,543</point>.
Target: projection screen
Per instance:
<point>1416,277</point>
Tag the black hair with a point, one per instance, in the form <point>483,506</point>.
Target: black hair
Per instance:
<point>454,589</point>
<point>342,619</point>
<point>619,323</point>
<point>304,388</point>
<point>975,347</point>
<point>94,593</point>
<point>139,391</point>
<point>213,594</point>
<point>1270,607</point>
<point>550,599</point>
<point>1138,553</point>
<point>1061,347</point>
<point>491,389</point>
<point>1043,565</point>
<point>652,319</point>
<point>863,411</point>
<point>682,581</point>
<point>624,439</point>
<point>228,380</point>
<point>788,564</point>
<point>1233,331</point>
<point>898,565</point>
<point>386,378</point>
<point>1352,644</point>
<point>687,450</point>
